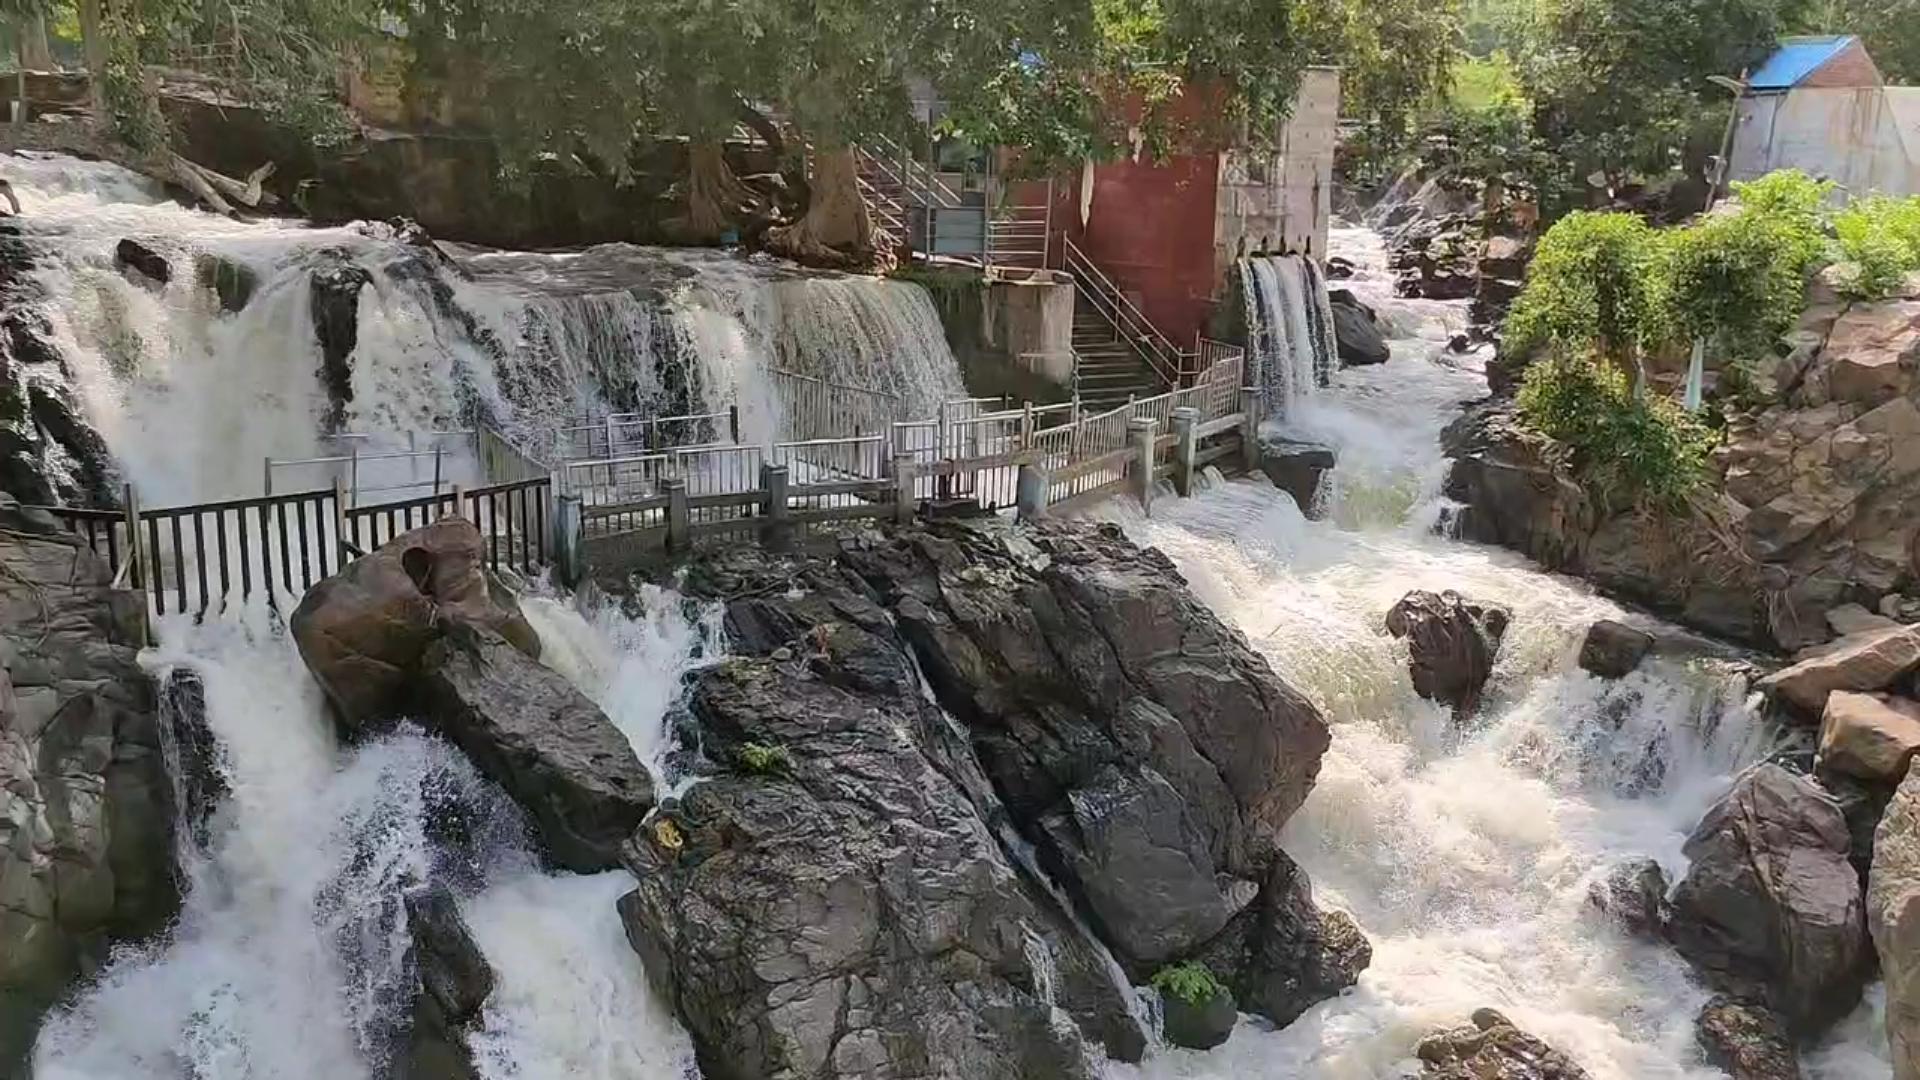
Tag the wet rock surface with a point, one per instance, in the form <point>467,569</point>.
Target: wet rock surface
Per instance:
<point>1356,331</point>
<point>1612,650</point>
<point>86,804</point>
<point>1493,1049</point>
<point>1634,894</point>
<point>1747,1040</point>
<point>1298,468</point>
<point>455,981</point>
<point>1893,916</point>
<point>1091,724</point>
<point>1771,909</point>
<point>1451,644</point>
<point>1200,1025</point>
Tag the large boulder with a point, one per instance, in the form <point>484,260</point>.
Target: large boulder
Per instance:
<point>1771,909</point>
<point>1201,1022</point>
<point>1283,955</point>
<point>1869,736</point>
<point>1356,331</point>
<point>86,802</point>
<point>1634,893</point>
<point>1450,644</point>
<point>1893,915</point>
<point>836,905</point>
<point>364,631</point>
<point>1747,1040</point>
<point>1142,743</point>
<point>1865,662</point>
<point>1612,649</point>
<point>1493,1049</point>
<point>529,730</point>
<point>1873,351</point>
<point>454,983</point>
<point>1298,468</point>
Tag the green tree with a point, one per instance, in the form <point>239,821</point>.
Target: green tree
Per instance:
<point>1591,288</point>
<point>1890,29</point>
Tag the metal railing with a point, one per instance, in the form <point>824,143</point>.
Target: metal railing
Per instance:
<point>622,434</point>
<point>1128,322</point>
<point>1020,235</point>
<point>815,408</point>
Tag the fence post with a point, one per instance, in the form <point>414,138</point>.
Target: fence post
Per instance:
<point>138,548</point>
<point>1142,430</point>
<point>1030,492</point>
<point>569,553</point>
<point>267,472</point>
<point>733,423</point>
<point>340,521</point>
<point>942,482</point>
<point>1026,426</point>
<point>903,500</point>
<point>1185,421</point>
<point>679,519</point>
<point>1250,419</point>
<point>773,482</point>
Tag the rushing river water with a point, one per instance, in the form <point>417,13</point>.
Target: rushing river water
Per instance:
<point>1464,853</point>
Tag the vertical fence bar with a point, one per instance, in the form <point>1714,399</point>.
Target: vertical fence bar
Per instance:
<point>179,562</point>
<point>200,560</point>
<point>131,502</point>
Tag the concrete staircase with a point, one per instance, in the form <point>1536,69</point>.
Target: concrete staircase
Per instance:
<point>1109,371</point>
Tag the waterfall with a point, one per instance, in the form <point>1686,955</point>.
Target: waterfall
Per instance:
<point>267,336</point>
<point>1289,326</point>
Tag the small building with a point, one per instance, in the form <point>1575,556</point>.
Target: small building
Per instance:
<point>1819,104</point>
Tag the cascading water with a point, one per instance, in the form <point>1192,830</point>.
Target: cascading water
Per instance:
<point>192,396</point>
<point>1464,851</point>
<point>1289,326</point>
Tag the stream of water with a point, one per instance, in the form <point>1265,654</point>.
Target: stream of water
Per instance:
<point>1464,852</point>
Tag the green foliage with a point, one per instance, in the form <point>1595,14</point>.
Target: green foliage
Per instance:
<point>1739,277</point>
<point>764,759</point>
<point>1626,449</point>
<point>1190,980</point>
<point>1395,57</point>
<point>1887,26</point>
<point>1484,83</point>
<point>1590,287</point>
<point>1879,241</point>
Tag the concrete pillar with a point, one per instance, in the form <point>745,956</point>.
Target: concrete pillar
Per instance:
<point>1144,430</point>
<point>679,518</point>
<point>1030,492</point>
<point>1253,412</point>
<point>569,548</point>
<point>1185,421</point>
<point>903,499</point>
<point>777,528</point>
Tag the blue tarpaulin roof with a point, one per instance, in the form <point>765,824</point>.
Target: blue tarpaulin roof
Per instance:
<point>1797,58</point>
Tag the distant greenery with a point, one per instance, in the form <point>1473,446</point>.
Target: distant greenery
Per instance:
<point>1190,981</point>
<point>764,759</point>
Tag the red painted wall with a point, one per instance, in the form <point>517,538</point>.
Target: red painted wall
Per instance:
<point>1151,230</point>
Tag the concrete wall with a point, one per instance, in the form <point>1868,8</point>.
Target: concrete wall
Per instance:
<point>1150,228</point>
<point>1865,138</point>
<point>1030,322</point>
<point>1282,202</point>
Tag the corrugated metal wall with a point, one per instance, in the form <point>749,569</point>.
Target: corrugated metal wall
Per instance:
<point>1866,138</point>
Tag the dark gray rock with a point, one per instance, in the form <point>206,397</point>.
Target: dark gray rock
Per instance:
<point>336,325</point>
<point>192,753</point>
<point>455,981</point>
<point>1198,1025</point>
<point>1613,649</point>
<point>1356,331</point>
<point>1493,1049</point>
<point>1297,467</point>
<point>1771,910</point>
<point>1747,1040</point>
<point>850,912</point>
<point>86,805</point>
<point>134,255</point>
<point>1283,955</point>
<point>233,282</point>
<point>1862,803</point>
<point>525,727</point>
<point>1450,645</point>
<point>1634,893</point>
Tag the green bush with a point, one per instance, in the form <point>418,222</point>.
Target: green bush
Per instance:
<point>763,759</point>
<point>1628,450</point>
<point>1879,242</point>
<point>1591,286</point>
<point>1189,980</point>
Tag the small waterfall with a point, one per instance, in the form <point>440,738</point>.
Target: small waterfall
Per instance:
<point>1289,326</point>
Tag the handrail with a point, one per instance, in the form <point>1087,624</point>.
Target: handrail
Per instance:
<point>928,181</point>
<point>1124,316</point>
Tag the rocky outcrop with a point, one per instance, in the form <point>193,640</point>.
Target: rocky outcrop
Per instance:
<point>48,451</point>
<point>336,324</point>
<point>86,805</point>
<point>1493,1049</point>
<point>200,781</point>
<point>1770,909</point>
<point>1612,649</point>
<point>454,984</point>
<point>1298,468</point>
<point>1893,915</point>
<point>1870,737</point>
<point>364,631</point>
<point>527,728</point>
<point>138,257</point>
<point>1356,331</point>
<point>416,629</point>
<point>1634,894</point>
<point>1747,1040</point>
<point>1450,645</point>
<point>1863,663</point>
<point>865,887</point>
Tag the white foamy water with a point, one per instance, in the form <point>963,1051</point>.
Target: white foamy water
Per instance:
<point>1464,851</point>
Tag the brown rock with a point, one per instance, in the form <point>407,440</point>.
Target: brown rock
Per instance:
<point>1893,915</point>
<point>1865,662</point>
<point>1450,644</point>
<point>1493,1049</point>
<point>1873,350</point>
<point>1870,736</point>
<point>1747,1040</point>
<point>1612,649</point>
<point>364,631</point>
<point>1849,619</point>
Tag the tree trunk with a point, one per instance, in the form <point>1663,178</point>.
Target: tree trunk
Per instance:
<point>837,229</point>
<point>95,42</point>
<point>717,201</point>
